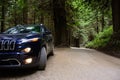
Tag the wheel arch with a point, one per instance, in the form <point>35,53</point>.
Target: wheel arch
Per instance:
<point>44,45</point>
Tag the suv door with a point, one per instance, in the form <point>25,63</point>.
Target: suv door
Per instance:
<point>48,38</point>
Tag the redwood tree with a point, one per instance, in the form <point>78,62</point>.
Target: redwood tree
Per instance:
<point>61,32</point>
<point>116,17</point>
<point>115,40</point>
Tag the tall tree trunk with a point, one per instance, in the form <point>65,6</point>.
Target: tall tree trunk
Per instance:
<point>116,22</point>
<point>41,14</point>
<point>42,18</point>
<point>34,17</point>
<point>15,14</point>
<point>114,43</point>
<point>116,16</point>
<point>15,18</point>
<point>2,16</point>
<point>25,12</point>
<point>97,26</point>
<point>103,21</point>
<point>61,33</point>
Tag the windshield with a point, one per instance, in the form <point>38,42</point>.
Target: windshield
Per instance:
<point>23,29</point>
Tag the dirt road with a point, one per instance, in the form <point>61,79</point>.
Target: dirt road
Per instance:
<point>71,64</point>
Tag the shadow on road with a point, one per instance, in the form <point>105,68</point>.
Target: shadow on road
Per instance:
<point>10,73</point>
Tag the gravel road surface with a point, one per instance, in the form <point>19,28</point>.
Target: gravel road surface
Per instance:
<point>71,64</point>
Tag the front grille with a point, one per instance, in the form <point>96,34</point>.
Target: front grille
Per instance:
<point>7,45</point>
<point>10,62</point>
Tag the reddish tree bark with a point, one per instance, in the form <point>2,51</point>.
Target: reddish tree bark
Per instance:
<point>61,33</point>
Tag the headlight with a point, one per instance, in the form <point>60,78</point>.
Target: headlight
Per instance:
<point>27,50</point>
<point>29,40</point>
<point>34,39</point>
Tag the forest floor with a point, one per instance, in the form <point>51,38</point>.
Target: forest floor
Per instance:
<point>71,64</point>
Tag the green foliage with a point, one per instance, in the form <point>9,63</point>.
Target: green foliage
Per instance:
<point>85,18</point>
<point>101,39</point>
<point>79,19</point>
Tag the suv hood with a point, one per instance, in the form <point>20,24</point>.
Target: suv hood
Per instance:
<point>17,36</point>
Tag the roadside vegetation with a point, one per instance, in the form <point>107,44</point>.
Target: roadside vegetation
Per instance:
<point>101,39</point>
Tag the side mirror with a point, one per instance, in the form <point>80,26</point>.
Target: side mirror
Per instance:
<point>47,32</point>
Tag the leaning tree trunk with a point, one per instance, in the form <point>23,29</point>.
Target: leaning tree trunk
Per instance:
<point>61,33</point>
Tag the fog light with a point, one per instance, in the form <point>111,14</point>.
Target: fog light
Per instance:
<point>28,60</point>
<point>27,50</point>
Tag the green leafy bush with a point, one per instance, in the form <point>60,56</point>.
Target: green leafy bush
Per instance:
<point>101,39</point>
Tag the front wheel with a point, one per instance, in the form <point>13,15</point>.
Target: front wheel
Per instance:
<point>43,59</point>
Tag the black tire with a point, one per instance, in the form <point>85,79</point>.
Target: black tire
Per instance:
<point>43,59</point>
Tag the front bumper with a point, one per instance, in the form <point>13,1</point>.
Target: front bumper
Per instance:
<point>17,60</point>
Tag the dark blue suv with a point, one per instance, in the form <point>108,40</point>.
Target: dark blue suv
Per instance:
<point>25,46</point>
